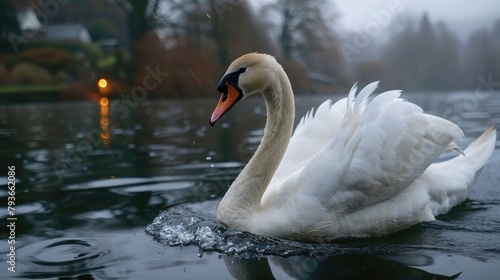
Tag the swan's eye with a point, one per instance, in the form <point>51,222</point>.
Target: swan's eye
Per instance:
<point>242,70</point>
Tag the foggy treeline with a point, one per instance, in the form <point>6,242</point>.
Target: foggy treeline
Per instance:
<point>422,55</point>
<point>418,55</point>
<point>195,40</point>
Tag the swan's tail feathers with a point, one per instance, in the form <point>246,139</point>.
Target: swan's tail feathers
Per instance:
<point>479,151</point>
<point>449,182</point>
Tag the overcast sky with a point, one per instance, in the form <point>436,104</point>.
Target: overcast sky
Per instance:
<point>461,15</point>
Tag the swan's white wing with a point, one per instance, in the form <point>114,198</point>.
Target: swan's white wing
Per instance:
<point>379,150</point>
<point>313,132</point>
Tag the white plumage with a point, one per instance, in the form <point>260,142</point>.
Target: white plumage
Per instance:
<point>356,168</point>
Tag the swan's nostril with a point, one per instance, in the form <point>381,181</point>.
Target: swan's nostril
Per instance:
<point>221,87</point>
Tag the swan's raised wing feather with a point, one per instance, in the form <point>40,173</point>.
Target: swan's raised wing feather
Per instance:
<point>313,132</point>
<point>380,149</point>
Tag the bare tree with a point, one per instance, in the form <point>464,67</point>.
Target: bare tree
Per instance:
<point>143,16</point>
<point>304,32</point>
<point>224,27</point>
<point>302,25</point>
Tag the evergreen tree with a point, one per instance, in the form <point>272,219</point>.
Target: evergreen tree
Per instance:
<point>8,19</point>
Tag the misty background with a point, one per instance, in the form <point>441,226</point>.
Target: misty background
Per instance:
<point>324,46</point>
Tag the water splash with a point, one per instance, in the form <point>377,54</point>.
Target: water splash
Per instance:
<point>195,224</point>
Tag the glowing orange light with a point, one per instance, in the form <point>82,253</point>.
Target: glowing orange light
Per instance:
<point>102,83</point>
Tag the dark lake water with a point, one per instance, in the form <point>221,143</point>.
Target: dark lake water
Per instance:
<point>91,177</point>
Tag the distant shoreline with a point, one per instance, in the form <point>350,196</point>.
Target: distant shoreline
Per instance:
<point>20,89</point>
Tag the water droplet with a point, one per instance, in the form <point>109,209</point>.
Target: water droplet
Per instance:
<point>200,253</point>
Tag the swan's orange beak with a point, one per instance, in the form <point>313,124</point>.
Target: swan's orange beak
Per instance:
<point>227,100</point>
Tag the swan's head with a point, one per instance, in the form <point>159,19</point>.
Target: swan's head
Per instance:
<point>249,74</point>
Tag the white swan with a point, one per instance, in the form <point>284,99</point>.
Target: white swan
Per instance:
<point>352,169</point>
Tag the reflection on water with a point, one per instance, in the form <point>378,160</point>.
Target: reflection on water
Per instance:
<point>105,136</point>
<point>92,176</point>
<point>332,267</point>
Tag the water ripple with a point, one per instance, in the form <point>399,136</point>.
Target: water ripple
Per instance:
<point>58,256</point>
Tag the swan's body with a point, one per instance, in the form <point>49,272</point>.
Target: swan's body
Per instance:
<point>352,169</point>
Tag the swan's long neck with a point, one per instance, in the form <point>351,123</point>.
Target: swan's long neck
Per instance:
<point>242,200</point>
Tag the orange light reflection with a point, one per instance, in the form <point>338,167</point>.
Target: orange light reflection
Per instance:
<point>105,136</point>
